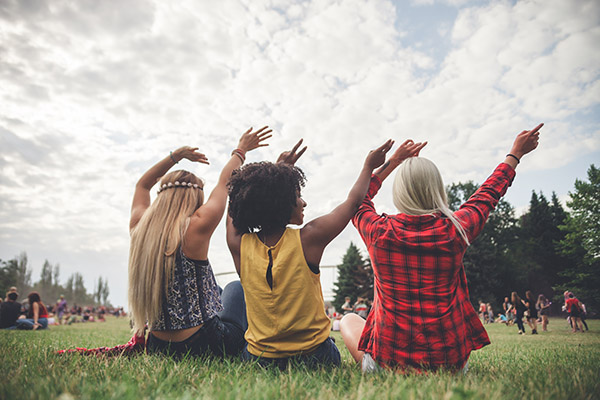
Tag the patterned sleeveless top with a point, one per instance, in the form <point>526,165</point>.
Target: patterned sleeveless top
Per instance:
<point>193,296</point>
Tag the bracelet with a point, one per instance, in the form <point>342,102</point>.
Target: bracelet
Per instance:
<point>513,156</point>
<point>172,158</point>
<point>240,153</point>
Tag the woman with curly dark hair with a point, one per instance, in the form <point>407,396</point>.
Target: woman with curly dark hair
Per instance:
<point>279,266</point>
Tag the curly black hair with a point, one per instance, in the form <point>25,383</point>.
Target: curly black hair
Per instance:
<point>263,195</point>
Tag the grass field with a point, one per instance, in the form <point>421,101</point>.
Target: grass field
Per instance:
<point>551,365</point>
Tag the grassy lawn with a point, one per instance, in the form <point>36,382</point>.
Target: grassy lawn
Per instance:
<point>551,365</point>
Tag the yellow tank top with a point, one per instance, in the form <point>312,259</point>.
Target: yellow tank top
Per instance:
<point>288,318</point>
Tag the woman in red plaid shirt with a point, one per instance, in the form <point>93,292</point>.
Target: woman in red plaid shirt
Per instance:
<point>422,317</point>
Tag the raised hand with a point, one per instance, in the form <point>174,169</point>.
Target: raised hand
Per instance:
<point>189,153</point>
<point>290,157</point>
<point>526,142</point>
<point>406,150</point>
<point>253,140</point>
<point>376,157</point>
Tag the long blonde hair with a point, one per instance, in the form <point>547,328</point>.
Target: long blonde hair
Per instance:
<point>419,190</point>
<point>154,241</point>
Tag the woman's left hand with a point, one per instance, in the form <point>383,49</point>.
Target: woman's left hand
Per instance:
<point>290,157</point>
<point>189,153</point>
<point>376,157</point>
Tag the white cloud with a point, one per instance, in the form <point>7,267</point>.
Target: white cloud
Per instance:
<point>94,93</point>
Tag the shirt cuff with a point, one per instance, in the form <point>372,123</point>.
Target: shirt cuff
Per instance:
<point>508,171</point>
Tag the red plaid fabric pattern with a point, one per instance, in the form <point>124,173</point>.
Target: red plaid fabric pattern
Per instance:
<point>422,317</point>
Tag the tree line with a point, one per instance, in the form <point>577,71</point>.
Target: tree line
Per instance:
<point>548,249</point>
<point>16,272</point>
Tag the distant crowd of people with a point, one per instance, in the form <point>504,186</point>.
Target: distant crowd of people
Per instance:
<point>33,314</point>
<point>534,311</point>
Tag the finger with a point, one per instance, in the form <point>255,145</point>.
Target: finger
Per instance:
<point>260,139</point>
<point>407,142</point>
<point>419,148</point>
<point>260,134</point>
<point>297,146</point>
<point>537,128</point>
<point>262,129</point>
<point>384,148</point>
<point>301,152</point>
<point>263,145</point>
<point>248,131</point>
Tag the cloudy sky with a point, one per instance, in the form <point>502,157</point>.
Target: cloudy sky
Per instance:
<point>92,93</point>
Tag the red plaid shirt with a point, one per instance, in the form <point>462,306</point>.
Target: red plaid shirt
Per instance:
<point>422,316</point>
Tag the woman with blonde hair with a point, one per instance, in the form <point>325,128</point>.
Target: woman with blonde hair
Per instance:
<point>422,317</point>
<point>172,287</point>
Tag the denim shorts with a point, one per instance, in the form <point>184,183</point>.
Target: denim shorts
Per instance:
<point>326,354</point>
<point>214,337</point>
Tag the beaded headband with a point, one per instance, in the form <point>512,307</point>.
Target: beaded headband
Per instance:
<point>177,184</point>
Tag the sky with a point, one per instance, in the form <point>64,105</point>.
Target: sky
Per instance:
<point>93,93</point>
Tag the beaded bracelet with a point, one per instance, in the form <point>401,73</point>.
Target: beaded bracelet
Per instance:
<point>240,153</point>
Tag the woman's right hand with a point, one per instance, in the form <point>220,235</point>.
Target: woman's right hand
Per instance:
<point>253,140</point>
<point>526,142</point>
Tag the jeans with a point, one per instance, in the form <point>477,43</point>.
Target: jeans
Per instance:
<point>520,321</point>
<point>326,354</point>
<point>220,336</point>
<point>27,323</point>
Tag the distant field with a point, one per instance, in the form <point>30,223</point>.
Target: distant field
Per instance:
<point>552,365</point>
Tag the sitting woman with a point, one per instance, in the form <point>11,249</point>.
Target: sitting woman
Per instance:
<point>171,283</point>
<point>279,266</point>
<point>37,314</point>
<point>422,318</point>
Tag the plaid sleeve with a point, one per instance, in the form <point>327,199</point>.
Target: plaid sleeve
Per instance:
<point>475,211</point>
<point>366,217</point>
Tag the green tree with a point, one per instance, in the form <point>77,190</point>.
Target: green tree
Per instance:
<point>537,250</point>
<point>581,244</point>
<point>104,293</point>
<point>355,278</point>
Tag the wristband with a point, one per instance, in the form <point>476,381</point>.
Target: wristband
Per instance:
<point>240,153</point>
<point>172,158</point>
<point>513,156</point>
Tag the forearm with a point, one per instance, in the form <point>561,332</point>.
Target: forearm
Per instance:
<point>386,169</point>
<point>234,163</point>
<point>359,190</point>
<point>152,176</point>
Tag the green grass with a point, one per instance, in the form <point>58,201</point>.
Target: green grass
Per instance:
<point>552,365</point>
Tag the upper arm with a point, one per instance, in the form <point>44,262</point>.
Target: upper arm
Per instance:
<point>475,211</point>
<point>139,205</point>
<point>319,232</point>
<point>211,212</point>
<point>234,242</point>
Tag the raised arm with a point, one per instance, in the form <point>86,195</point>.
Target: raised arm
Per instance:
<point>210,214</point>
<point>475,211</point>
<point>318,233</point>
<point>141,196</point>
